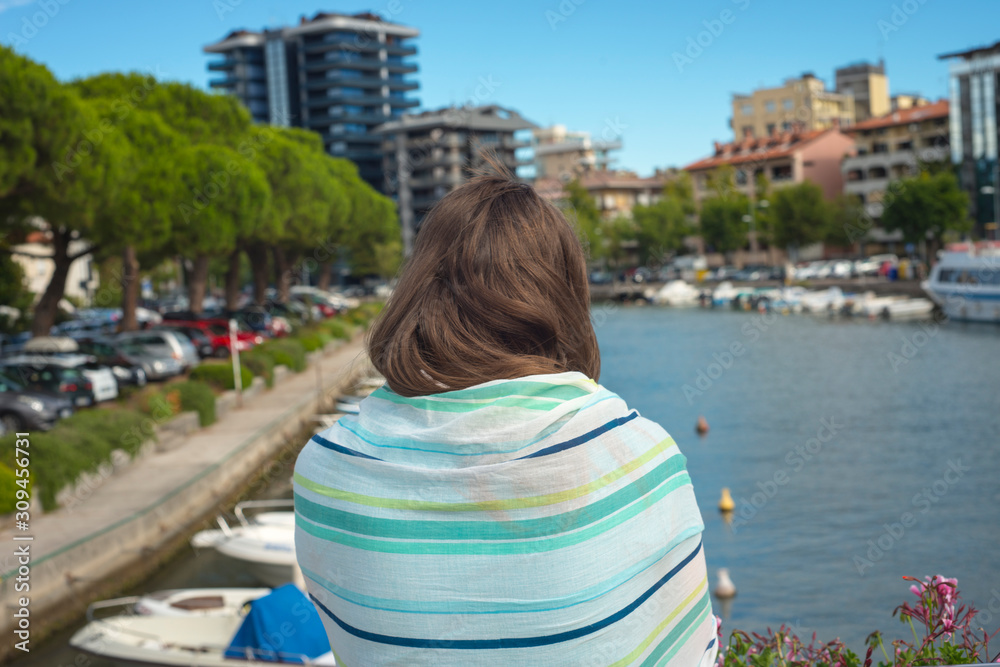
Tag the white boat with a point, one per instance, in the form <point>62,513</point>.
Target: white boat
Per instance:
<point>263,545</point>
<point>182,602</point>
<point>723,294</point>
<point>965,283</point>
<point>876,306</point>
<point>191,640</point>
<point>909,309</point>
<point>676,293</point>
<point>823,301</point>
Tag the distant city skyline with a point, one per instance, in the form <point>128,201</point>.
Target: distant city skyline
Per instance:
<point>660,80</point>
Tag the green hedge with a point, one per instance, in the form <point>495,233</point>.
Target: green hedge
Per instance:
<point>220,376</point>
<point>7,489</point>
<point>286,352</point>
<point>260,364</point>
<point>311,341</point>
<point>337,328</point>
<point>199,397</point>
<point>79,444</point>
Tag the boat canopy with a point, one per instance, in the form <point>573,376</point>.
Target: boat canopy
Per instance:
<point>282,627</point>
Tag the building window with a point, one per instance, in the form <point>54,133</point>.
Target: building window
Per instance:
<point>741,177</point>
<point>787,103</point>
<point>880,148</point>
<point>769,105</point>
<point>782,173</point>
<point>786,126</point>
<point>747,109</point>
<point>770,129</point>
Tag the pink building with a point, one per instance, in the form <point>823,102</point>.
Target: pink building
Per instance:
<point>786,158</point>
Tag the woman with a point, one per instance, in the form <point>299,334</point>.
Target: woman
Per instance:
<point>492,504</point>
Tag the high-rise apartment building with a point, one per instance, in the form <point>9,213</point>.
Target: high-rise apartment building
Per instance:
<point>338,75</point>
<point>797,105</point>
<point>868,85</point>
<point>429,154</point>
<point>974,88</point>
<point>560,153</point>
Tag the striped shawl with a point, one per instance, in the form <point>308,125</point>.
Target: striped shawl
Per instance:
<point>535,521</point>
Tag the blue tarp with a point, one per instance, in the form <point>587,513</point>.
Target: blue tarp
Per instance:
<point>280,627</point>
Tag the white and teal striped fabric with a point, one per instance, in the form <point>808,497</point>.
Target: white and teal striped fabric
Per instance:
<point>535,521</point>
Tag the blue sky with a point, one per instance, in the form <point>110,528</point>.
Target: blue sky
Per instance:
<point>591,65</point>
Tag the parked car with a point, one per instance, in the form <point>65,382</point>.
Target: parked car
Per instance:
<point>202,341</point>
<point>217,331</point>
<point>64,352</point>
<point>24,409</point>
<point>68,382</point>
<point>131,363</point>
<point>160,343</point>
<point>65,348</point>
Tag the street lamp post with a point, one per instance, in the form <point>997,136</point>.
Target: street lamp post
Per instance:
<point>751,219</point>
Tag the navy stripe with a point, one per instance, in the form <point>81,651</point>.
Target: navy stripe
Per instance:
<point>341,449</point>
<point>579,440</point>
<point>510,642</point>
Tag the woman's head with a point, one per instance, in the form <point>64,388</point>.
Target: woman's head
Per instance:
<point>496,287</point>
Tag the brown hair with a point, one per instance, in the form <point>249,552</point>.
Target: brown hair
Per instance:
<point>496,288</point>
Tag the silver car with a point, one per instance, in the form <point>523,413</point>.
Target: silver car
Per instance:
<point>163,344</point>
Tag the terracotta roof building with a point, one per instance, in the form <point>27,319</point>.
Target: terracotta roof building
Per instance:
<point>892,147</point>
<point>785,158</point>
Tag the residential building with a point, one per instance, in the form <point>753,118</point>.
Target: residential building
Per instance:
<point>974,88</point>
<point>427,155</point>
<point>34,256</point>
<point>801,104</point>
<point>566,155</point>
<point>904,101</point>
<point>868,85</point>
<point>892,147</point>
<point>615,193</point>
<point>336,74</point>
<point>785,158</point>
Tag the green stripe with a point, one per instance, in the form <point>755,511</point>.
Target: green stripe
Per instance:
<point>526,403</point>
<point>499,548</point>
<point>506,388</point>
<point>410,529</point>
<point>489,505</point>
<point>702,588</point>
<point>681,633</point>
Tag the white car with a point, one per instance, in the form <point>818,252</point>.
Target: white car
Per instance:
<point>105,386</point>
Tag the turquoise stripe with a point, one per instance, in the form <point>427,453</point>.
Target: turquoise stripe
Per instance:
<point>389,442</point>
<point>490,529</point>
<point>502,548</point>
<point>681,633</point>
<point>489,607</point>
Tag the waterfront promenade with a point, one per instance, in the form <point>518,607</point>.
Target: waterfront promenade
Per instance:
<point>97,545</point>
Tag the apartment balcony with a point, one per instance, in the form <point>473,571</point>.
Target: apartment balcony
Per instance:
<point>403,102</point>
<point>361,154</point>
<point>355,43</point>
<point>225,82</point>
<point>353,138</point>
<point>402,85</point>
<point>360,118</point>
<point>866,186</point>
<point>345,82</point>
<point>349,60</point>
<point>401,68</point>
<point>400,50</point>
<point>319,102</point>
<point>446,180</point>
<point>420,203</point>
<point>222,65</point>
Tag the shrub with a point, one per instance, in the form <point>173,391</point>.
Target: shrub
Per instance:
<point>197,396</point>
<point>157,402</point>
<point>336,327</point>
<point>260,363</point>
<point>78,444</point>
<point>220,376</point>
<point>311,341</point>
<point>287,352</point>
<point>7,489</point>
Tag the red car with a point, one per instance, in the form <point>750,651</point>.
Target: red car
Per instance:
<point>217,331</point>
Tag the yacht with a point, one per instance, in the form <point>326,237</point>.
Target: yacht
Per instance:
<point>965,283</point>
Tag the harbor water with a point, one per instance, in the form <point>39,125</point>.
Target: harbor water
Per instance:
<point>856,452</point>
<point>831,435</point>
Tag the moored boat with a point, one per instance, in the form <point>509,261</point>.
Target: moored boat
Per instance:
<point>965,283</point>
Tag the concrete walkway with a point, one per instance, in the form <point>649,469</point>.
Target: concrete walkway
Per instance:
<point>141,508</point>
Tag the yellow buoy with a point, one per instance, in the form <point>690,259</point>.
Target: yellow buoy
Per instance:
<point>726,503</point>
